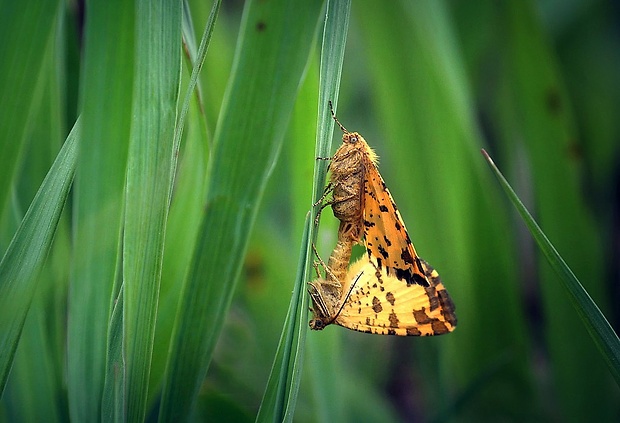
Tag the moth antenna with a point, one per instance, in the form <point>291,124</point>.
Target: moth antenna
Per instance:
<point>342,128</point>
<point>345,299</point>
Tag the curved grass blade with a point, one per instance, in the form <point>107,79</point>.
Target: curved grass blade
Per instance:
<point>595,322</point>
<point>274,45</point>
<point>280,396</point>
<point>28,250</point>
<point>199,62</point>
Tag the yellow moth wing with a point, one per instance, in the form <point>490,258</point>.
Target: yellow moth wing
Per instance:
<point>376,302</point>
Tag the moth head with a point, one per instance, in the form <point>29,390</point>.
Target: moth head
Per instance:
<point>351,137</point>
<point>317,324</point>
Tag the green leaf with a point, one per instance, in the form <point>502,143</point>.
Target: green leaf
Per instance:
<point>153,151</point>
<point>25,30</point>
<point>99,193</point>
<point>188,200</point>
<point>113,402</point>
<point>272,53</point>
<point>29,248</point>
<point>595,322</point>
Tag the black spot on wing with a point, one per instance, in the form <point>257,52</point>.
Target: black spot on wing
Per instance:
<point>387,241</point>
<point>413,331</point>
<point>393,320</point>
<point>421,317</point>
<point>376,305</point>
<point>431,293</point>
<point>383,252</point>
<point>407,258</point>
<point>447,306</point>
<point>383,208</point>
<point>410,277</point>
<point>439,327</point>
<point>419,280</point>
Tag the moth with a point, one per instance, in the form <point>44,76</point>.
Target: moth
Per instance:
<point>362,202</point>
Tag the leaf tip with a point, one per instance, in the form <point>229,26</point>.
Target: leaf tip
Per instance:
<point>487,157</point>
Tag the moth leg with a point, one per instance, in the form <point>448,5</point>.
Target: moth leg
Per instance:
<point>321,201</point>
<point>315,264</point>
<point>320,260</point>
<point>328,271</point>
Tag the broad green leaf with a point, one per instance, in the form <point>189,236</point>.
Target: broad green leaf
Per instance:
<point>188,199</point>
<point>105,101</point>
<point>150,175</point>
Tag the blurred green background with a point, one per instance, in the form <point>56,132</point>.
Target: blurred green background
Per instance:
<point>428,84</point>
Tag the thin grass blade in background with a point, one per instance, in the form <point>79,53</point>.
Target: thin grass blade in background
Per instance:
<point>28,250</point>
<point>534,123</point>
<point>199,59</point>
<point>256,109</point>
<point>595,322</point>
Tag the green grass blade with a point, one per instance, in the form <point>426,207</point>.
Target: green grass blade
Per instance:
<point>25,31</point>
<point>332,58</point>
<point>536,126</point>
<point>283,386</point>
<point>280,395</point>
<point>113,401</point>
<point>105,100</point>
<point>186,207</point>
<point>595,322</point>
<point>26,254</point>
<point>35,390</point>
<point>200,58</point>
<point>273,48</point>
<point>150,175</point>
